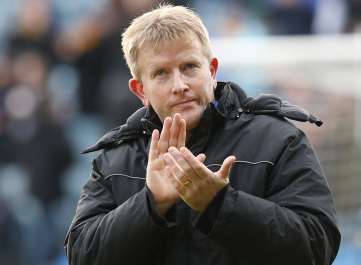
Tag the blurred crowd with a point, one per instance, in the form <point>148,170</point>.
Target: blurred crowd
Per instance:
<point>63,82</point>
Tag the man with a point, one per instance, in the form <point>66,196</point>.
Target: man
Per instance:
<point>202,174</point>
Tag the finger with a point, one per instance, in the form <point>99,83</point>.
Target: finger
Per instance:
<point>174,173</point>
<point>201,158</point>
<point>223,172</point>
<point>197,166</point>
<point>183,163</point>
<point>179,171</point>
<point>164,136</point>
<point>174,181</point>
<point>153,150</point>
<point>174,130</point>
<point>182,134</point>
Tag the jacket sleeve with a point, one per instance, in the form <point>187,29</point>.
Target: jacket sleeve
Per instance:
<point>294,223</point>
<point>105,233</point>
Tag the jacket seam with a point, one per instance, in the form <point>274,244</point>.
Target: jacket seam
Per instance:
<point>124,175</point>
<point>237,161</point>
<point>246,162</point>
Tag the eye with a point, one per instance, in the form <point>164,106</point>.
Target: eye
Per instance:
<point>189,66</point>
<point>159,73</point>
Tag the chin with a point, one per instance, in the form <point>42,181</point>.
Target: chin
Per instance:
<point>192,120</point>
<point>192,116</point>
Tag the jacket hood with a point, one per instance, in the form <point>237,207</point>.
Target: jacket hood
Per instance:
<point>230,101</point>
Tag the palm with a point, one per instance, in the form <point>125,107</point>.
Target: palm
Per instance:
<point>158,183</point>
<point>173,134</point>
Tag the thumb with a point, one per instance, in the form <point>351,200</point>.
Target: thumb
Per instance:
<point>201,158</point>
<point>223,172</point>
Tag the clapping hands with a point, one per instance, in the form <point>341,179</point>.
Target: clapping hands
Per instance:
<point>173,172</point>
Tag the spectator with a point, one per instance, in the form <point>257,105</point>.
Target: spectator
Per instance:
<point>11,236</point>
<point>291,17</point>
<point>32,130</point>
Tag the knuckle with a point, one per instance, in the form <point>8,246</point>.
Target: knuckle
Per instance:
<point>180,188</point>
<point>187,171</point>
<point>198,168</point>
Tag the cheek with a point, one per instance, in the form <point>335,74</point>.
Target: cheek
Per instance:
<point>154,92</point>
<point>158,99</point>
<point>208,90</point>
<point>210,95</point>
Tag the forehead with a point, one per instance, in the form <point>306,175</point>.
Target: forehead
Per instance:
<point>170,51</point>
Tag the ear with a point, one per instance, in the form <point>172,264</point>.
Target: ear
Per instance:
<point>137,88</point>
<point>213,67</point>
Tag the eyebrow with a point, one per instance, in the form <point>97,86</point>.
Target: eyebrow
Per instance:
<point>191,59</point>
<point>154,69</point>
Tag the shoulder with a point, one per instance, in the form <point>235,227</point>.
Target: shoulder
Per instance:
<point>269,115</point>
<point>131,130</point>
<point>265,126</point>
<point>262,136</point>
<point>125,154</point>
<point>273,125</point>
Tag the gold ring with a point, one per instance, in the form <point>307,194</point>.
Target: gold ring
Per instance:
<point>187,183</point>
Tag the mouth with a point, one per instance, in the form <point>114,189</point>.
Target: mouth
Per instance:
<point>183,102</point>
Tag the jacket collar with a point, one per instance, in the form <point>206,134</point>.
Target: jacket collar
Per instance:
<point>227,104</point>
<point>228,98</point>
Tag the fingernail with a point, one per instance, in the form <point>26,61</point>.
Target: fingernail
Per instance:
<point>166,156</point>
<point>183,149</point>
<point>172,149</point>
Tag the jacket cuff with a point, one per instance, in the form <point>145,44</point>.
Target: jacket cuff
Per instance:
<point>168,220</point>
<point>204,222</point>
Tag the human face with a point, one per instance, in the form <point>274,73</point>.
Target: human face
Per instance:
<point>176,77</point>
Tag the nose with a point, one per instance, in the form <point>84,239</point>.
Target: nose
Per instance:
<point>179,83</point>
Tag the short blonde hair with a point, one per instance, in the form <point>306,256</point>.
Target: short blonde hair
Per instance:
<point>164,23</point>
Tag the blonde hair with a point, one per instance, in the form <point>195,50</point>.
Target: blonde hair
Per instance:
<point>164,23</point>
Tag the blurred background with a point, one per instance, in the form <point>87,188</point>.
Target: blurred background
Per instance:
<point>63,83</point>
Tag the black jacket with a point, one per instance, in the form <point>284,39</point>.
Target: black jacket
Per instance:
<point>277,209</point>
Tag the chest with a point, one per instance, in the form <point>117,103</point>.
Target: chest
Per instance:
<point>249,173</point>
